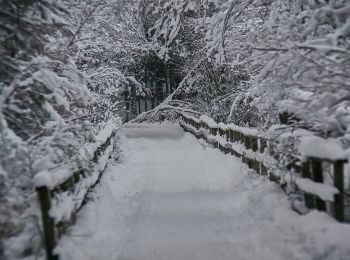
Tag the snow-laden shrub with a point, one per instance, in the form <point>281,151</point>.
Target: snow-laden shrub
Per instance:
<point>49,106</point>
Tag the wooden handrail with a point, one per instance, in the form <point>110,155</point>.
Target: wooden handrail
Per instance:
<point>253,146</point>
<point>52,231</point>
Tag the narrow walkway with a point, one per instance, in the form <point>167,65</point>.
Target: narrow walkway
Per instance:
<point>175,198</point>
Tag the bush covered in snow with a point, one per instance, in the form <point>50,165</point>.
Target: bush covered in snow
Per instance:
<point>59,86</point>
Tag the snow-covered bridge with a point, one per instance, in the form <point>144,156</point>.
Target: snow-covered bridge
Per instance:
<point>172,196</point>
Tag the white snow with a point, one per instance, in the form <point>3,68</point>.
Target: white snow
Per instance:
<point>212,124</point>
<point>236,146</point>
<point>178,198</point>
<point>52,178</point>
<point>314,146</point>
<point>64,204</point>
<point>209,121</point>
<point>88,150</point>
<point>323,191</point>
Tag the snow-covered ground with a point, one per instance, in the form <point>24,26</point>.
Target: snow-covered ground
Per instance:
<point>174,197</point>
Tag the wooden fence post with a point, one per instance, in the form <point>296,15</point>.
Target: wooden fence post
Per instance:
<point>263,169</point>
<point>339,184</point>
<point>243,158</point>
<point>247,142</point>
<point>306,173</point>
<point>317,175</point>
<point>227,135</point>
<point>256,166</point>
<point>241,138</point>
<point>231,136</point>
<point>263,145</point>
<point>238,137</point>
<point>250,163</point>
<point>48,224</point>
<point>254,142</point>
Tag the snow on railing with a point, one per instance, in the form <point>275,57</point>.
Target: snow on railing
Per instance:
<point>243,142</point>
<point>62,192</point>
<point>255,148</point>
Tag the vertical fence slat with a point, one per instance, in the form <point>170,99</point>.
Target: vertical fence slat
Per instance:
<point>339,184</point>
<point>263,144</point>
<point>247,142</point>
<point>317,176</point>
<point>306,173</point>
<point>254,142</point>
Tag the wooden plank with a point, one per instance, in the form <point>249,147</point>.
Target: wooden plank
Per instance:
<point>326,159</point>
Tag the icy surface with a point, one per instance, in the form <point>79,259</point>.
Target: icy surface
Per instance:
<point>177,198</point>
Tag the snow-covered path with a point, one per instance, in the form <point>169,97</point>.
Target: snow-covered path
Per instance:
<point>174,197</point>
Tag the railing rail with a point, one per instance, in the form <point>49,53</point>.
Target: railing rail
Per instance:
<point>51,229</point>
<point>257,152</point>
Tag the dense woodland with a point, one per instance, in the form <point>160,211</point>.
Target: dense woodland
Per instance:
<point>69,67</point>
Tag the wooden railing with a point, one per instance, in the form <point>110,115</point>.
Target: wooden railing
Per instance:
<point>51,229</point>
<point>258,153</point>
<point>313,168</point>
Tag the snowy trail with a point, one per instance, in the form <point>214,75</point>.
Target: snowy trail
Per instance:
<point>174,197</point>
